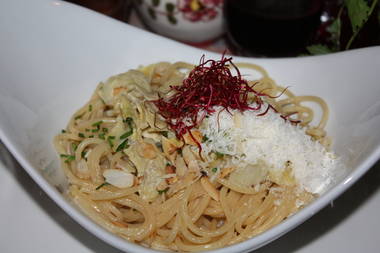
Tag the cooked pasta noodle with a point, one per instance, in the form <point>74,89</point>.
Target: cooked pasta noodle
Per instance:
<point>129,172</point>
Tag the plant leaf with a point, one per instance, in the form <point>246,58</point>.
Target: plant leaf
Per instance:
<point>318,49</point>
<point>358,12</point>
<point>156,3</point>
<point>152,13</point>
<point>172,19</point>
<point>170,7</point>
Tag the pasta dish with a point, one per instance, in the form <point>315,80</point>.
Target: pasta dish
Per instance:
<point>187,158</point>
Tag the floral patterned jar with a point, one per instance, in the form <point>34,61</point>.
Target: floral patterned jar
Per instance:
<point>190,21</point>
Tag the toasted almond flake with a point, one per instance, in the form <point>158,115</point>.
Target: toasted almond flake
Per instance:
<point>197,136</point>
<point>169,169</point>
<point>147,150</point>
<point>117,90</point>
<point>226,171</point>
<point>209,188</point>
<point>118,178</point>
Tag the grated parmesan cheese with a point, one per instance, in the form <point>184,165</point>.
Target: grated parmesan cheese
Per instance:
<point>252,139</point>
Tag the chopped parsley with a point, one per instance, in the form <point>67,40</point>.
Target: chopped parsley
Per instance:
<point>105,130</point>
<point>74,146</point>
<point>110,140</point>
<point>100,186</point>
<point>69,158</point>
<point>81,135</point>
<point>63,131</point>
<point>126,134</point>
<point>219,155</point>
<point>95,130</point>
<point>83,154</point>
<point>122,146</point>
<point>90,108</point>
<point>101,136</point>
<point>214,170</point>
<point>163,191</point>
<point>165,133</point>
<point>97,124</point>
<point>205,138</point>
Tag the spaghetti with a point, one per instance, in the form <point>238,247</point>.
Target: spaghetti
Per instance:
<point>133,174</point>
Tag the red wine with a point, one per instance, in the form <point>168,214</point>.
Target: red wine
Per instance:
<point>276,28</point>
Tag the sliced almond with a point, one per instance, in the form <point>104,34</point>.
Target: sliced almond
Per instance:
<point>147,150</point>
<point>117,90</point>
<point>170,145</point>
<point>209,188</point>
<point>118,178</point>
<point>193,141</point>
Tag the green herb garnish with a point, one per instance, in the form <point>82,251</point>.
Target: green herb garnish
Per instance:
<point>63,131</point>
<point>97,124</point>
<point>214,170</point>
<point>101,136</point>
<point>81,135</point>
<point>163,191</point>
<point>68,157</point>
<point>95,130</point>
<point>74,146</point>
<point>219,155</point>
<point>83,154</point>
<point>204,138</point>
<point>164,133</point>
<point>110,140</point>
<point>90,108</point>
<point>122,146</point>
<point>126,134</point>
<point>105,130</point>
<point>100,186</point>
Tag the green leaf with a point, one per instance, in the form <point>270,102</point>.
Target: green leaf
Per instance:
<point>152,13</point>
<point>155,3</point>
<point>172,19</point>
<point>219,155</point>
<point>163,191</point>
<point>335,27</point>
<point>318,49</point>
<point>69,158</point>
<point>170,7</point>
<point>122,145</point>
<point>214,170</point>
<point>358,12</point>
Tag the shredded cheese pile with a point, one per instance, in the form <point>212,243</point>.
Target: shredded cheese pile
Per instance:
<point>269,139</point>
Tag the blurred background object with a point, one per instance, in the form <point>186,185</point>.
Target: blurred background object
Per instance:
<point>191,21</point>
<point>119,9</point>
<point>271,27</point>
<point>281,28</point>
<point>259,28</point>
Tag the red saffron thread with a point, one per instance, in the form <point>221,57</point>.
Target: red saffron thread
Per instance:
<point>209,84</point>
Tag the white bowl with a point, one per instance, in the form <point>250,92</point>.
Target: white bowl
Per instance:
<point>53,54</point>
<point>199,21</point>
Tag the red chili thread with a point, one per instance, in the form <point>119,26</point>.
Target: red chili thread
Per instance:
<point>209,84</point>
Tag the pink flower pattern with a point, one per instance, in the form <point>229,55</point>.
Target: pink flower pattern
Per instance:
<point>199,10</point>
